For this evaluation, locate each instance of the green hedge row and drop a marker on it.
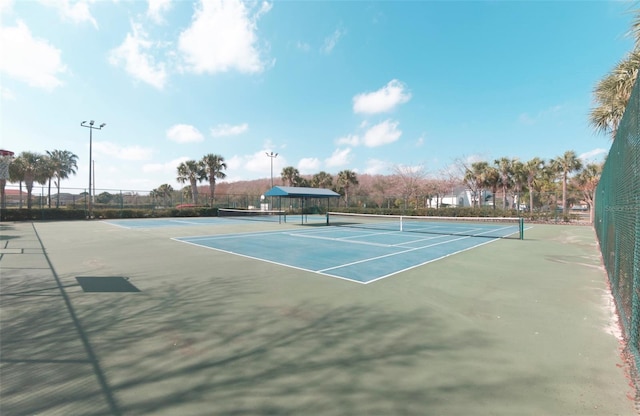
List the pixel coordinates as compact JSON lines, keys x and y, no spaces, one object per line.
{"x":47,"y":214}
{"x":113,"y":213}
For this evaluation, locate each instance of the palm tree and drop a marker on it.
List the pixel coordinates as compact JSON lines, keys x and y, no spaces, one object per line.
{"x":32,"y":164}
{"x":16,"y":174}
{"x":47,"y":171}
{"x":531,"y":169}
{"x":154,"y":194}
{"x":290,"y":175}
{"x":186,"y":192}
{"x":547,"y":185}
{"x":587,"y":181}
{"x":491,"y":179}
{"x":65,"y":163}
{"x":165,"y":191}
{"x":6,"y":162}
{"x":322,"y":180}
{"x":519,"y":178}
{"x":565,"y":165}
{"x":504,"y":166}
{"x":302,"y":182}
{"x":475,"y":179}
{"x":192,"y":172}
{"x":346,"y":178}
{"x":612,"y":94}
{"x":213,"y":167}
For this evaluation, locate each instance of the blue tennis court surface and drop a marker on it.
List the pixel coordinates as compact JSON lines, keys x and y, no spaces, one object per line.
{"x":358,"y":255}
{"x":163,"y":222}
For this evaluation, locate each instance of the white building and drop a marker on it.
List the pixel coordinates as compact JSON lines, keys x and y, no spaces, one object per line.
{"x":463,"y":197}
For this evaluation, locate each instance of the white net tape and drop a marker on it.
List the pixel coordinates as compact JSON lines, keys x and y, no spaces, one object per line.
{"x":4,"y":166}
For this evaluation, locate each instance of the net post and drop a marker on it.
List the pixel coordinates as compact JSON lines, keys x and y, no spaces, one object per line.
{"x":327,"y":218}
{"x":401,"y":224}
{"x":521,"y":227}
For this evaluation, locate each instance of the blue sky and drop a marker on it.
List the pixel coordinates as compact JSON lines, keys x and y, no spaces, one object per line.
{"x":366,"y":86}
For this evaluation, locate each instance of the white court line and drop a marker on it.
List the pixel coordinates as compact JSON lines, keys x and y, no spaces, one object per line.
{"x":187,"y":222}
{"x":393,"y":254}
{"x":323,"y":271}
{"x":118,"y":225}
{"x":270,"y":261}
{"x":366,"y":243}
{"x":429,"y":261}
{"x":226,"y":236}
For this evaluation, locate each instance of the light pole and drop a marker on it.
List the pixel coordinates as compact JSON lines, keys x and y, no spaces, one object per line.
{"x":91,"y":129}
{"x":272,"y":156}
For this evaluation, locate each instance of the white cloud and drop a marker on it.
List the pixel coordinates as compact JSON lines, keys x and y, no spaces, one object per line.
{"x":593,"y":154}
{"x":6,"y":6}
{"x":222,"y":130}
{"x":184,"y":133}
{"x":134,"y":152}
{"x":382,"y":133}
{"x":348,"y":140}
{"x":168,"y":167}
{"x":136,"y":61}
{"x":6,"y":94}
{"x":308,"y":165}
{"x":528,"y":119}
{"x":239,"y":166}
{"x":383,"y":100}
{"x":76,"y":11}
{"x":30,"y":59}
{"x":222,"y":37}
{"x":340,"y":157}
{"x":420,"y":141}
{"x":376,"y":166}
{"x":157,"y":8}
{"x":303,"y":46}
{"x":331,"y":41}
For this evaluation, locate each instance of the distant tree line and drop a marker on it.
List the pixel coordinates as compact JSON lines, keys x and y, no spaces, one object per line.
{"x":210,"y":168}
{"x":536,"y":176}
{"x":32,"y":167}
{"x":406,"y":186}
{"x":344,"y":181}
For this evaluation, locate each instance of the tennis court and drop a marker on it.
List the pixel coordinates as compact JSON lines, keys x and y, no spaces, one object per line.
{"x":99,"y":319}
{"x":360,"y":248}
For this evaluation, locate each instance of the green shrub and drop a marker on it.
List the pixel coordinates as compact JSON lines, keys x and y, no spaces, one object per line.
{"x":45,"y":214}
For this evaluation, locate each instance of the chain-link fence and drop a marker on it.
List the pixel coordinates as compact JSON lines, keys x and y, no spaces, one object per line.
{"x":617,"y":224}
{"x":542,"y":206}
{"x":74,"y":198}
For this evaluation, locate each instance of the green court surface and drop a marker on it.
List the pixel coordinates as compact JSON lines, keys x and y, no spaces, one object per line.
{"x":104,"y":320}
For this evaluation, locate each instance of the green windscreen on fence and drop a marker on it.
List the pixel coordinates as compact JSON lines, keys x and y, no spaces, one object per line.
{"x":617,"y":224}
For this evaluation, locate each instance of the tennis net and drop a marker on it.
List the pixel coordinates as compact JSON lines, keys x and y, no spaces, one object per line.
{"x":490,"y":227}
{"x":253,"y":214}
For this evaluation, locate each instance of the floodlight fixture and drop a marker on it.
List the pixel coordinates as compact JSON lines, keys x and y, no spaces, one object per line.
{"x":91,"y":128}
{"x":271,"y":156}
